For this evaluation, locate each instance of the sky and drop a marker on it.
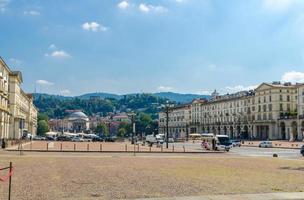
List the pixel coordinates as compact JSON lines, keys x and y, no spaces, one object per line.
{"x":74,"y":47}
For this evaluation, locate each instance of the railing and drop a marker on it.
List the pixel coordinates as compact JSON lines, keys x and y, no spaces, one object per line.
{"x":288,"y":117}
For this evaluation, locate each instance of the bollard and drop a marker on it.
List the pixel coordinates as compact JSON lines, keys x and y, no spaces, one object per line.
{"x":60,"y":146}
{"x":100,"y":147}
{"x":74,"y":147}
{"x":150,"y":148}
{"x":172,"y":148}
{"x":134,"y":150}
{"x":10,"y":181}
{"x":88,"y":147}
{"x":47,"y":146}
{"x":184,"y":149}
{"x":161,"y":148}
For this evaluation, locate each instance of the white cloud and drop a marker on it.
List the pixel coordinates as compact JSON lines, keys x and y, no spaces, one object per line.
{"x":151,"y":8}
{"x":31,"y":12}
{"x":3,"y":5}
{"x":58,"y":54}
{"x":123,"y":5}
{"x":238,"y":88}
{"x":65,"y":92}
{"x":279,"y":5}
{"x":165,"y":89}
{"x":52,"y":46}
{"x":293,"y":76}
{"x":93,"y":26}
{"x":44,"y":82}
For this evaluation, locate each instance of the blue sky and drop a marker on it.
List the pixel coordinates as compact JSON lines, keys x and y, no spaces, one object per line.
{"x":73,"y":47}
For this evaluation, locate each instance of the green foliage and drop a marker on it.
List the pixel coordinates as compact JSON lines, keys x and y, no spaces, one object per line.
{"x":122,"y":132}
{"x":102,"y":129}
{"x":127,"y":127}
{"x":43,"y":116}
{"x":54,"y":106}
{"x":43,"y":127}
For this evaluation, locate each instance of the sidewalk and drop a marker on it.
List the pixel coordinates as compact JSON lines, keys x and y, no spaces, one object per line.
{"x":276,"y":144}
{"x":268,"y":196}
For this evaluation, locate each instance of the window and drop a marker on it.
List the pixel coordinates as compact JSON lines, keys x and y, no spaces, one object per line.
{"x":288,"y":98}
{"x":281,"y":107}
{"x":270,"y":98}
{"x":281,"y":97}
{"x":270,"y":107}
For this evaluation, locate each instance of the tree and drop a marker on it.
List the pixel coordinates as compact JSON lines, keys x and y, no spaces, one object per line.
{"x":43,"y":116}
{"x":43,"y":127}
{"x":102,"y":129}
{"x":122,"y":132}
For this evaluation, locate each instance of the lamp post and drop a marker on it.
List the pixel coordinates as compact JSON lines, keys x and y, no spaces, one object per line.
{"x":132,"y":115}
{"x":167,"y":111}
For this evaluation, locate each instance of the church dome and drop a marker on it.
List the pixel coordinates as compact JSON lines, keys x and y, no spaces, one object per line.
{"x":78,"y":116}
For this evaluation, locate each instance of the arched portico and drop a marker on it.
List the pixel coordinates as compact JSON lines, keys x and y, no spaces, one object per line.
{"x":231,"y":132}
{"x":294,"y":131}
{"x":225,"y":130}
{"x":283,"y":130}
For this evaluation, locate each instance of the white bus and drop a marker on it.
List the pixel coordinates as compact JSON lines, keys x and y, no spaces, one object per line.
{"x":220,"y":142}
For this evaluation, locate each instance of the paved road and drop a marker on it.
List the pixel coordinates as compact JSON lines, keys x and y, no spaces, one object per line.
{"x":251,"y":151}
{"x":267,"y":196}
{"x":266,"y":152}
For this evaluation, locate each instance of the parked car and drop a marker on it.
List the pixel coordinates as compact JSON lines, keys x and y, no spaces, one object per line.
{"x":110,"y":139}
{"x":37,"y":137}
{"x":265,"y":144}
{"x":63,"y":138}
{"x":97,"y":139}
{"x":77,"y":139}
{"x":51,"y":138}
{"x":302,"y":150}
{"x":236,"y":143}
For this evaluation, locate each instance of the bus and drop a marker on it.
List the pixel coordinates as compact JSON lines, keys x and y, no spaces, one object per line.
{"x":220,"y":142}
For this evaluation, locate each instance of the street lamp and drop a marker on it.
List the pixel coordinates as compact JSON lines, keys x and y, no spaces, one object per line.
{"x":167,"y":111}
{"x":132,"y":115}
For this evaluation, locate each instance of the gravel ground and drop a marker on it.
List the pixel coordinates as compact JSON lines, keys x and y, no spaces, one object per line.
{"x":128,"y":177}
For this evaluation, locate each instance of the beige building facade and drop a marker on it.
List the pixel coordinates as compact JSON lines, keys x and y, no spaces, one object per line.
{"x":179,"y":121}
{"x":4,"y":107}
{"x":272,"y":111}
{"x":18,"y":115}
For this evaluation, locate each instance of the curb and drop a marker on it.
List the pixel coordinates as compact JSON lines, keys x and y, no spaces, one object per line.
{"x":72,"y":151}
{"x":272,"y":147}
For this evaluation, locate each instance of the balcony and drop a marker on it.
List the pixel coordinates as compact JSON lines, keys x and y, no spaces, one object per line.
{"x":289,"y":115}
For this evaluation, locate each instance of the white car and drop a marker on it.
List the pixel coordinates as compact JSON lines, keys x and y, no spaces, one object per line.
{"x":265,"y":144}
{"x":77,"y":139}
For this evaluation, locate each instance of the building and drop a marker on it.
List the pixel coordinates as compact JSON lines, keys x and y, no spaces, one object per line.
{"x":301,"y":108}
{"x":4,"y":107}
{"x":23,"y":112}
{"x":18,"y":115}
{"x":272,"y":111}
{"x":179,"y":119}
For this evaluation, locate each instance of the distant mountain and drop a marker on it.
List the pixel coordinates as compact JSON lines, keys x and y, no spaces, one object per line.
{"x":101,"y":95}
{"x":181,"y":98}
{"x":177,"y":97}
{"x":43,"y":95}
